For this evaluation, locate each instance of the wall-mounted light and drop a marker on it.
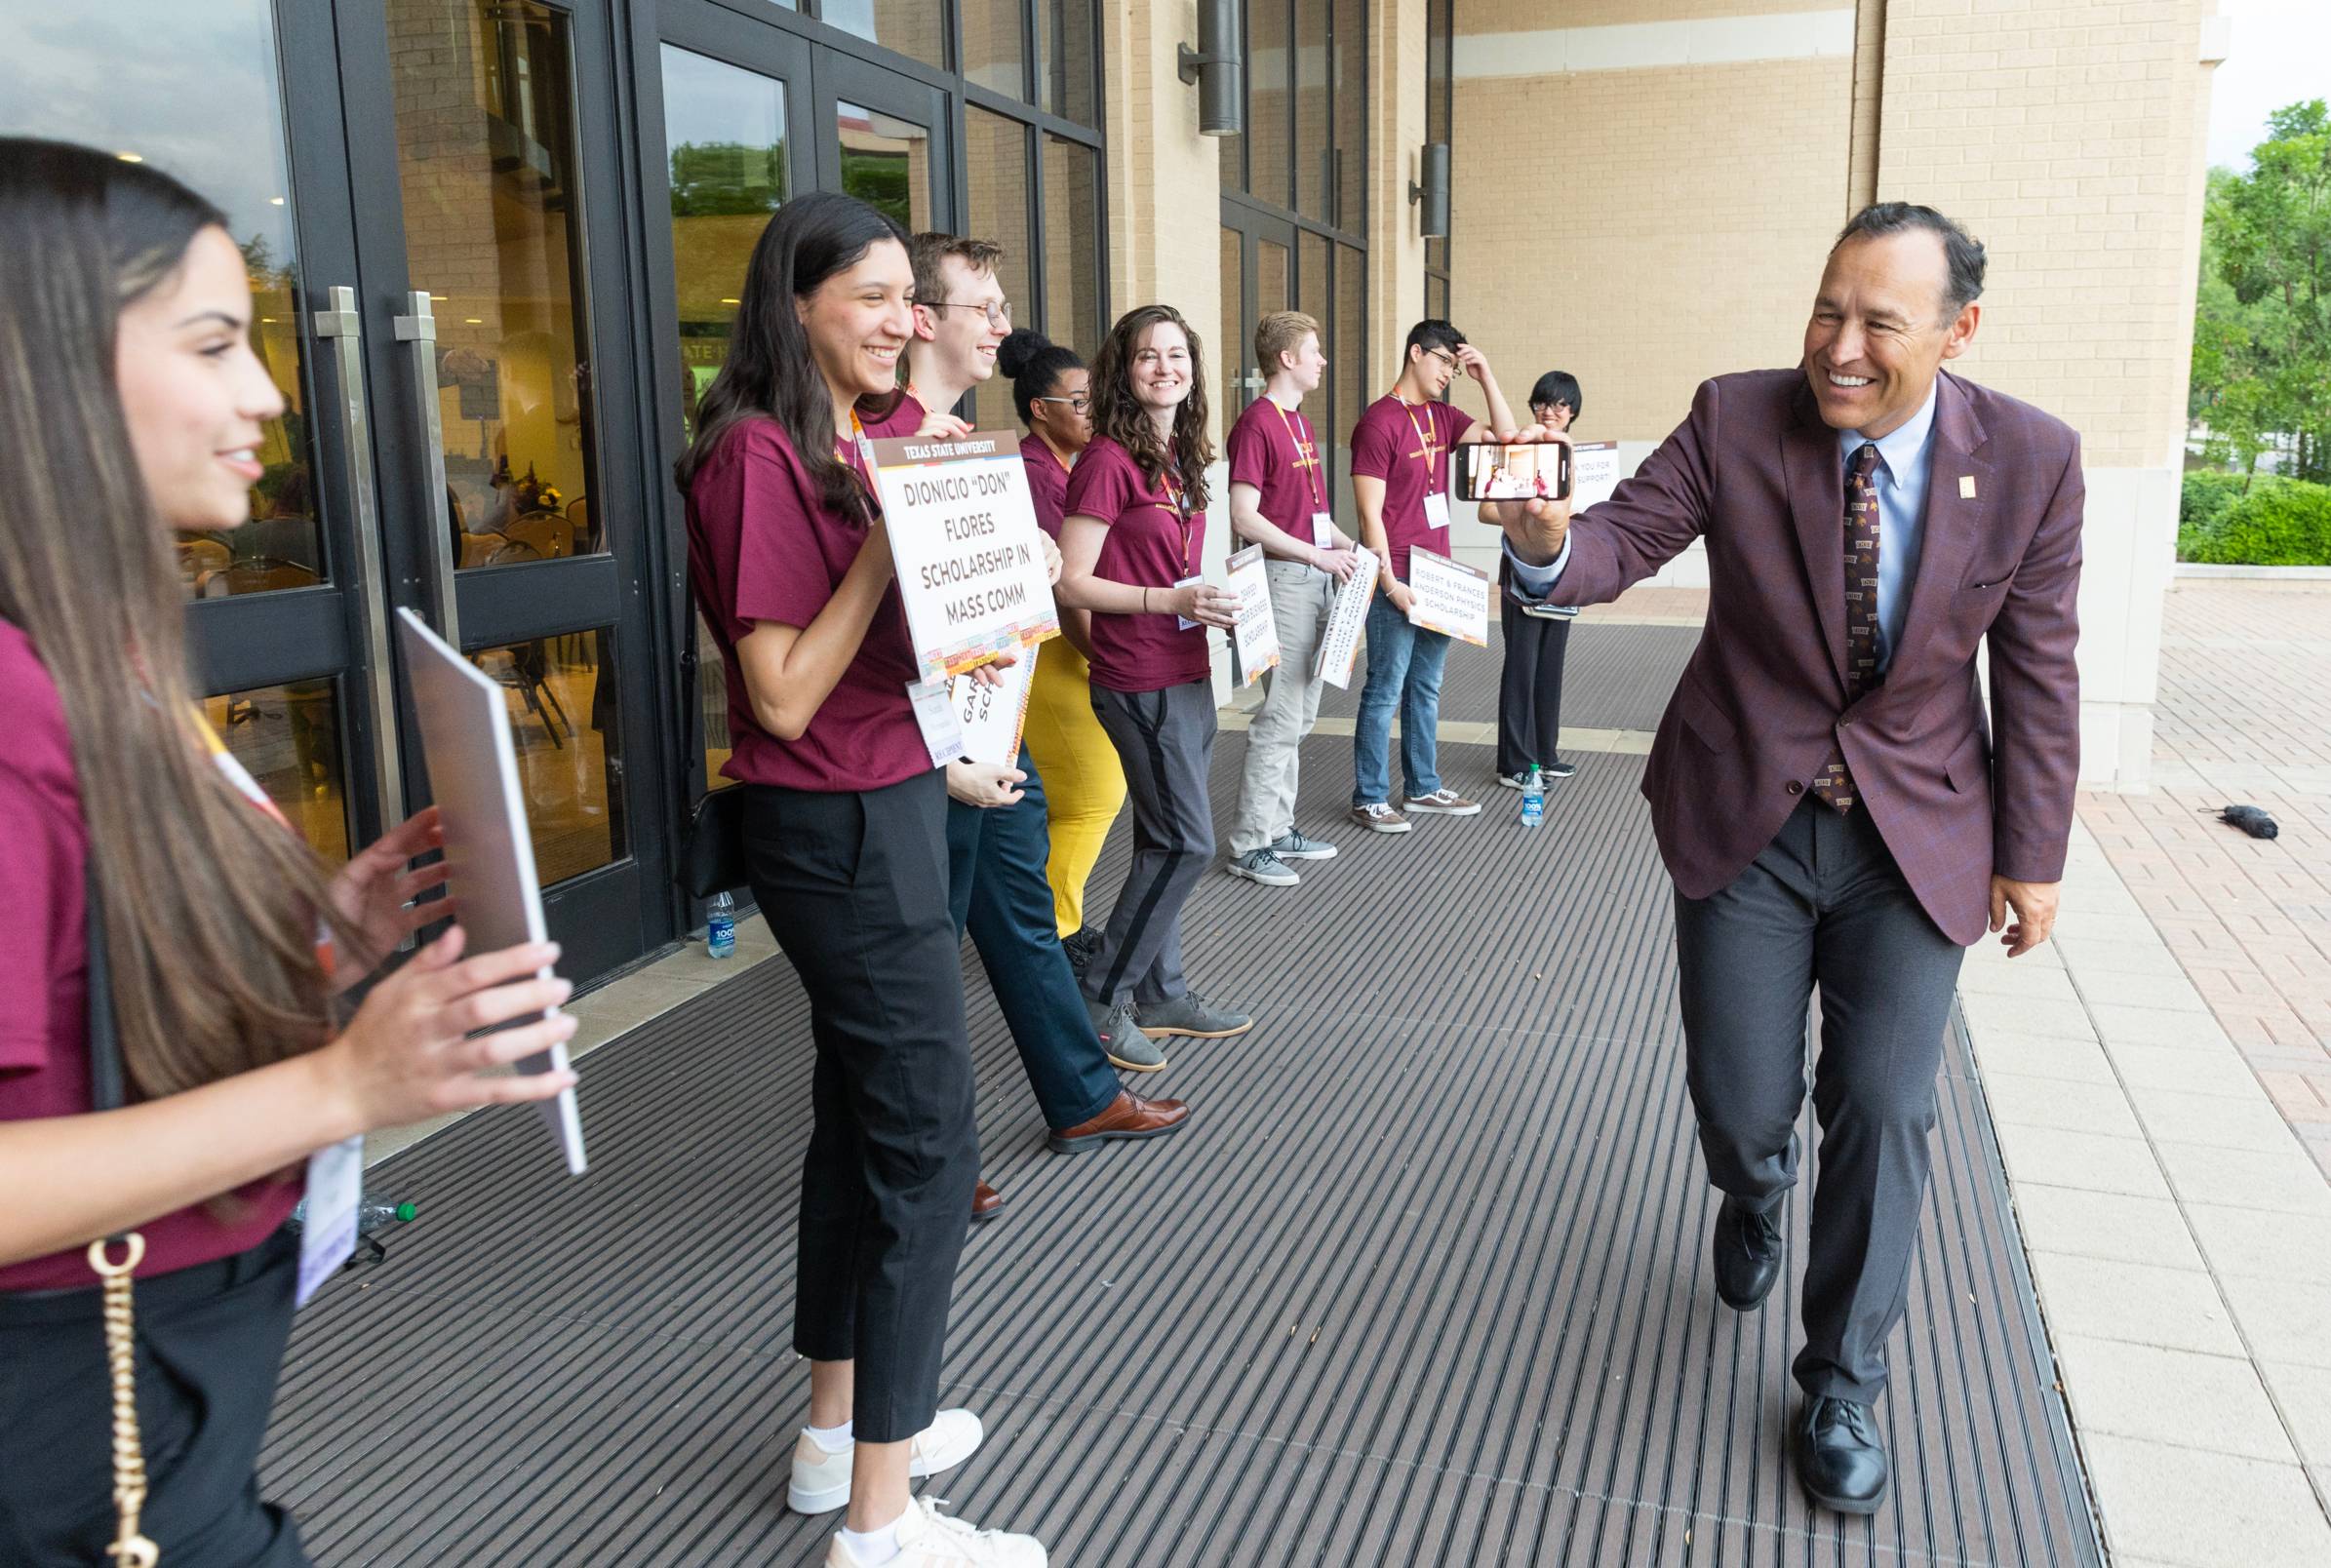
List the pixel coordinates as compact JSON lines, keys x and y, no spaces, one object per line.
{"x":1431,"y":198}
{"x":1218,"y":68}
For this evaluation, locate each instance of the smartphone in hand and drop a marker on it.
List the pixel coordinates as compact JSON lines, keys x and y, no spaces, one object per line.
{"x":1491,"y":471}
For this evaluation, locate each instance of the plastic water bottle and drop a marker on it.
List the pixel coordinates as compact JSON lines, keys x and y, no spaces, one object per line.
{"x":371,"y":1216}
{"x":1533,"y":797}
{"x":720,"y":927}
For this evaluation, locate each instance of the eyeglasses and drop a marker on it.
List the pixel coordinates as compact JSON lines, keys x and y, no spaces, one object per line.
{"x":998,"y":314}
{"x":1442,"y":354}
{"x":1078,"y":401}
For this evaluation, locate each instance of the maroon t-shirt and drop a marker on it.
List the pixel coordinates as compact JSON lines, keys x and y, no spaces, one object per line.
{"x":763,"y":547}
{"x":1277,"y":453}
{"x":905,"y":420}
{"x":1390,"y":442}
{"x":1148,"y":545}
{"x":1047,"y":484}
{"x":44,"y":975}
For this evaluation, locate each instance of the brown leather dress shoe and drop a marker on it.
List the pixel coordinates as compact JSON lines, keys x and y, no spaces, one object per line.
{"x":986,"y":1201}
{"x":1127,"y":1116}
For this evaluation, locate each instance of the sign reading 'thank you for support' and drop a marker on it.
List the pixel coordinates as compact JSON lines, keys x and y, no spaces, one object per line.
{"x":969,"y":556}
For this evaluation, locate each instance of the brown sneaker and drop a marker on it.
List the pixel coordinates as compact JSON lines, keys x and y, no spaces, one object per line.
{"x":1378,"y":817}
{"x":1444,"y":802}
{"x":986,"y":1201}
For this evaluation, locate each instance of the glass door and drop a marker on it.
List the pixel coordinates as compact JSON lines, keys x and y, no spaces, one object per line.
{"x":493,"y":315}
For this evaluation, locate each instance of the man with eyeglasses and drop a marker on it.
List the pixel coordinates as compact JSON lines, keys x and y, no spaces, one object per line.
{"x":1400,"y":482}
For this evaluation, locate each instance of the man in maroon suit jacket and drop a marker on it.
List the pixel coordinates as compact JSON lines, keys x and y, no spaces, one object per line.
{"x":1832,"y":799}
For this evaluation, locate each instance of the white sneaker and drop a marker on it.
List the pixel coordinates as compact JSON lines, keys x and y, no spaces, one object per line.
{"x":929,"y":1539}
{"x":820,"y":1481}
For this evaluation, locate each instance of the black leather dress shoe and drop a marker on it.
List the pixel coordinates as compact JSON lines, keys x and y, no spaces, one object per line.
{"x":1748,"y":1255}
{"x":1839,"y":1461}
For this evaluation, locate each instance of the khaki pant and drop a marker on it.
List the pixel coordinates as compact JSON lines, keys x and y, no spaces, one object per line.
{"x":1301,"y":597}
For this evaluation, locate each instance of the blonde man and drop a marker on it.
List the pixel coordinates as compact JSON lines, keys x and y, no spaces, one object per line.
{"x":1280,"y":499}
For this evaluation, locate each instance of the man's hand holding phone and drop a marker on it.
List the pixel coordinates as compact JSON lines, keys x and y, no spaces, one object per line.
{"x":1537,"y":528}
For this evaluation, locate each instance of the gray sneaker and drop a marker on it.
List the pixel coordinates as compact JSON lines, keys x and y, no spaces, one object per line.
{"x":1189,"y":1014}
{"x":1292,"y":845}
{"x":1262,"y":866}
{"x":1122,"y":1037}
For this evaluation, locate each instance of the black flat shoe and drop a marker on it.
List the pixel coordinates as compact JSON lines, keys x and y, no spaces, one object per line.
{"x":1748,"y":1255}
{"x":1839,"y":1461}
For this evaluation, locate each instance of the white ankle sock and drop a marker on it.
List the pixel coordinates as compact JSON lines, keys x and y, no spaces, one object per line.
{"x":874,"y":1546}
{"x":833,"y":1439}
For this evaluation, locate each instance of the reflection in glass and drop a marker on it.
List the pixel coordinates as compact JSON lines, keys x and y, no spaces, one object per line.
{"x":725,"y":129}
{"x":885,"y":163}
{"x":565,"y":719}
{"x":1064,"y":61}
{"x":996,"y":207}
{"x":1348,"y":357}
{"x":1072,"y":188}
{"x":1311,"y":109}
{"x":489,"y":171}
{"x":1313,"y":291}
{"x":116,"y":76}
{"x":1271,"y":281}
{"x":1349,"y":71}
{"x":712,"y":705}
{"x":994,"y":48}
{"x":914,"y":27}
{"x":1270,"y":153}
{"x":1237,"y":342}
{"x":288,"y":738}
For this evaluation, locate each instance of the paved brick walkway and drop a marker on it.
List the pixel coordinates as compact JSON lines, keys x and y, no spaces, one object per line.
{"x":2244,"y":716}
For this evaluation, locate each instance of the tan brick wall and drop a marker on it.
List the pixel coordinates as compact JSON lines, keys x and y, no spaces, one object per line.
{"x":2063,"y":132}
{"x":1868,"y":78}
{"x":1682,"y":239}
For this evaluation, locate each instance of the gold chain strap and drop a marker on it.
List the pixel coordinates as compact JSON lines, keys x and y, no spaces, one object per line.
{"x":130,"y":1549}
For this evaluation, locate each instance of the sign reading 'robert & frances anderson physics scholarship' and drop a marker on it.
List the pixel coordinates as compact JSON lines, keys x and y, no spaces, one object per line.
{"x":969,"y":556}
{"x":1452,"y":598}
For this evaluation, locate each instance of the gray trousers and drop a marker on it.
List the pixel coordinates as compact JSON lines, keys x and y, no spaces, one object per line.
{"x":1301,"y":596}
{"x":1166,"y":740}
{"x":1823,"y":905}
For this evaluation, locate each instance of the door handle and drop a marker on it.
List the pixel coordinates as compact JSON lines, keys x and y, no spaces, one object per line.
{"x":339,"y":326}
{"x":416,"y":328}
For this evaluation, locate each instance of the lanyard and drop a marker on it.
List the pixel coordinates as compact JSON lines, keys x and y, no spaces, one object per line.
{"x":1428,"y":446}
{"x":865,"y":475}
{"x":1181,"y":510}
{"x":1305,"y":447}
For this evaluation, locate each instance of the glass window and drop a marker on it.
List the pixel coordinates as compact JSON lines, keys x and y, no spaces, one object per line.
{"x":1348,"y":70}
{"x":1348,"y":353}
{"x":885,"y":163}
{"x":914,"y":27}
{"x":724,"y":135}
{"x":995,"y":48}
{"x":489,"y":172}
{"x":1073,"y":311}
{"x":1309,"y":66}
{"x":1270,"y":152}
{"x":287,"y":739}
{"x":565,"y":722}
{"x":1232,"y":347}
{"x":996,"y":207}
{"x":1064,"y":60}
{"x":1273,"y":265}
{"x":126,"y":88}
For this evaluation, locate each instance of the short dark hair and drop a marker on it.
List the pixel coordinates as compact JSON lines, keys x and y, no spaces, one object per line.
{"x":925,"y":251}
{"x":1433,"y":332}
{"x":1558,"y":386}
{"x":1962,"y":250}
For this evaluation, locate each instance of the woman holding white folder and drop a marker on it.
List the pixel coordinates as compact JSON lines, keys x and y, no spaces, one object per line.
{"x":141,"y":857}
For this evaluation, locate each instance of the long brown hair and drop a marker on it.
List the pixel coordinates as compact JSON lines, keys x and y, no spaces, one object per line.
{"x":211,"y":909}
{"x":1118,"y":415}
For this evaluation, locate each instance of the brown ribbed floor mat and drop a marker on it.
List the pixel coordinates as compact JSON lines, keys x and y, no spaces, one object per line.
{"x":1613,"y":677}
{"x":1423,"y":1283}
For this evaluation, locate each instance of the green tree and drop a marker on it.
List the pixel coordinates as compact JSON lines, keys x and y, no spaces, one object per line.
{"x":2261,"y":327}
{"x":722,"y":179}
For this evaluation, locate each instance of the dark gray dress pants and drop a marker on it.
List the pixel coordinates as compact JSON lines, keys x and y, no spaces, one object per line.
{"x":1824,"y":905}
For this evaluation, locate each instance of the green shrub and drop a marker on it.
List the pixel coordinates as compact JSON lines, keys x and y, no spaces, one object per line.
{"x":2280,"y":523}
{"x":2208,"y":492}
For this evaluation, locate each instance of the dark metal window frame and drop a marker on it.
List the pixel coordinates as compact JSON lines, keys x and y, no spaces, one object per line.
{"x":1352,"y":229}
{"x":1441,"y":46}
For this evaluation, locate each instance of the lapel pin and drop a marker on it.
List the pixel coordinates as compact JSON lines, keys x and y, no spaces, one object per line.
{"x":1966,"y":487}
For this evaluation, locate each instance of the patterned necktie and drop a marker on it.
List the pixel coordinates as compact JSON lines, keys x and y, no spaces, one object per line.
{"x":1835,"y":782}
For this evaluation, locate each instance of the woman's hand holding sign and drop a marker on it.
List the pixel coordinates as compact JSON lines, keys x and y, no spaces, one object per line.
{"x":1199,"y":601}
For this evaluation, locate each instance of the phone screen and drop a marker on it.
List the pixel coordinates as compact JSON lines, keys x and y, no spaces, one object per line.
{"x":1493,"y":472}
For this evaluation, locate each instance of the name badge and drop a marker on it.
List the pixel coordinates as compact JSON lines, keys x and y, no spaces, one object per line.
{"x":327,"y":1234}
{"x":1437,"y":508}
{"x":1183,"y":622}
{"x":936,"y":718}
{"x":1323,"y":530}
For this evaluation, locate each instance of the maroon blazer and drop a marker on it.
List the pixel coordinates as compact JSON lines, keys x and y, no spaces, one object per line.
{"x":1756,"y":474}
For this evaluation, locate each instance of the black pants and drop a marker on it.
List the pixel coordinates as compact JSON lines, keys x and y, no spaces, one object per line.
{"x":210,"y":1344}
{"x":1825,"y":904}
{"x":1529,"y":689}
{"x":854,"y":887}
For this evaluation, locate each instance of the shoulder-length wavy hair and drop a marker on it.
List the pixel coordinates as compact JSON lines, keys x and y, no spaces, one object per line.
{"x":1118,"y":415}
{"x":770,"y":372}
{"x":212,"y":910}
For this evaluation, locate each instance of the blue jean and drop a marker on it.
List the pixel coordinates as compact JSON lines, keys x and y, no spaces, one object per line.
{"x":997,"y":888}
{"x":1403,"y":671}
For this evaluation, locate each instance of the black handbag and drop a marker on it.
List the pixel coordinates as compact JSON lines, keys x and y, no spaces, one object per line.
{"x":711,"y":858}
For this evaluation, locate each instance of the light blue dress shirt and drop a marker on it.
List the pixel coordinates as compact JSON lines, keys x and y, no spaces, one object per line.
{"x":1905,"y":463}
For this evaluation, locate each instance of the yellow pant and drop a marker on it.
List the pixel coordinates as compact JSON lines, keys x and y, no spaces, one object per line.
{"x":1084,"y":784}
